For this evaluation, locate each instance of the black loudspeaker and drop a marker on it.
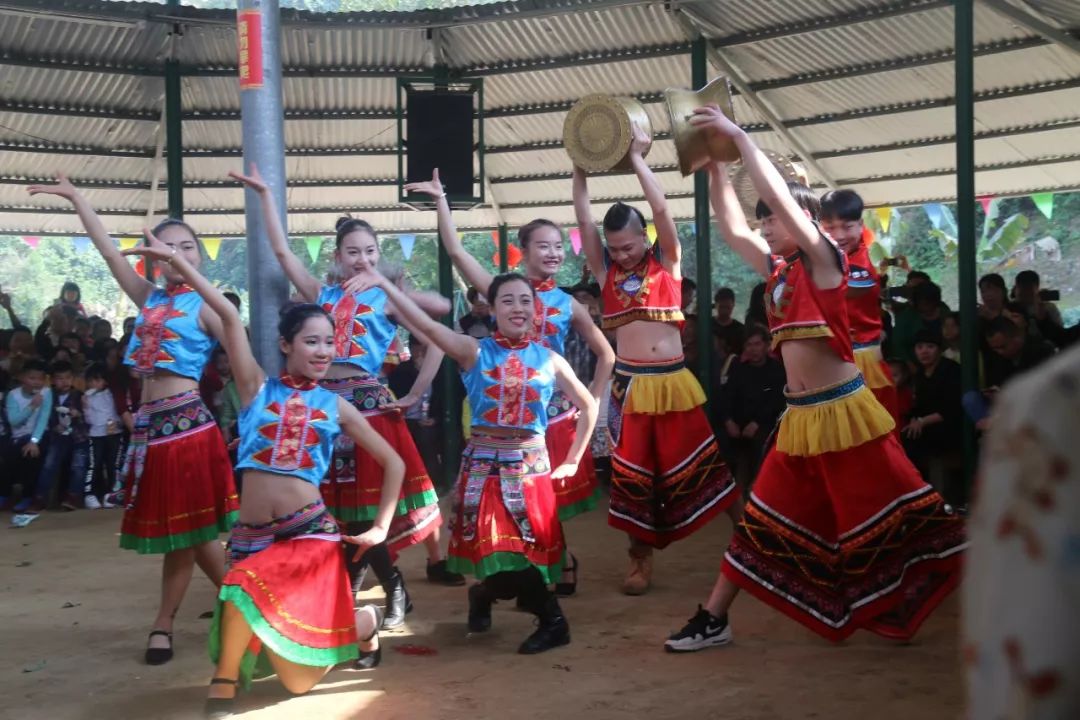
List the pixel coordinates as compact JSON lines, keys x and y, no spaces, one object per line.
{"x":439,"y":128}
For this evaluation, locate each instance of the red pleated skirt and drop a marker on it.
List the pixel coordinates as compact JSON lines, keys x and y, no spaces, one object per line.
{"x":580,"y":492}
{"x":179,"y":484}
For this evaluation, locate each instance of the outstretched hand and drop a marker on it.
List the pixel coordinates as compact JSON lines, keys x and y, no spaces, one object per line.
{"x":565,"y":470}
{"x":713,"y":119}
{"x":253,"y":180}
{"x":404,"y":402}
{"x":363,"y":280}
{"x":432,"y":187}
{"x":62,"y":188}
{"x":154,"y":249}
{"x":365,"y":540}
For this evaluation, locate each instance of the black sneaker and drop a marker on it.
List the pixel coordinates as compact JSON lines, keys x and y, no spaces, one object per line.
{"x":702,"y":631}
{"x":438,"y":574}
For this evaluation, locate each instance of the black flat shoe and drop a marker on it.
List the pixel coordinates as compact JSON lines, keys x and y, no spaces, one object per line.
{"x":220,"y":708}
{"x":159,"y":656}
{"x":566,"y":589}
{"x":438,"y":574}
{"x":551,"y":633}
{"x":371,"y":660}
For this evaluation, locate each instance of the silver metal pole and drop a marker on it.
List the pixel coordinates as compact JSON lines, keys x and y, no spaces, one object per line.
{"x":262,"y":121}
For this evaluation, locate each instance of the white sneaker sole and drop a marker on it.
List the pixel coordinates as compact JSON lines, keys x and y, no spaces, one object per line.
{"x":688,"y":646}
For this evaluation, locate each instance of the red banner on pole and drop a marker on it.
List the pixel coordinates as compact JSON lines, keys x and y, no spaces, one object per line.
{"x":249,"y":42}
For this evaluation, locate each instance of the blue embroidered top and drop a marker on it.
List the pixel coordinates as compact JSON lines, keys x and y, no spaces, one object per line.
{"x":362,"y":329}
{"x":167,"y":335}
{"x":289,"y":428}
{"x":551,"y":322}
{"x":511,"y":384}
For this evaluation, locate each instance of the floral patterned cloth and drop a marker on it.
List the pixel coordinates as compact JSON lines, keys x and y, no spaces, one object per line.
{"x":1022,"y":592}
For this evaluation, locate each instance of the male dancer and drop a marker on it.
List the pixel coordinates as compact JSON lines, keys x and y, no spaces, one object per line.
{"x":668,"y":478}
{"x":841,"y":219}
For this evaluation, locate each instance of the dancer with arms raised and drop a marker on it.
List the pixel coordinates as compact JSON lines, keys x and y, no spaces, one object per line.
{"x":555,"y":313}
{"x":364,"y":330}
{"x":839,"y":532}
{"x":179,"y":491}
{"x":668,"y":478}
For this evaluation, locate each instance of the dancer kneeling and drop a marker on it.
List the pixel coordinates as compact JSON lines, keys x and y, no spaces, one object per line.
{"x":840,"y":531}
{"x":506,"y":527}
{"x":285,"y":606}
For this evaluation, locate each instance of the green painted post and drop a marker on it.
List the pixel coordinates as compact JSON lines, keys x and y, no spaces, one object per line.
{"x":965,"y":211}
{"x":698,"y":78}
{"x":451,"y":419}
{"x":174,"y":143}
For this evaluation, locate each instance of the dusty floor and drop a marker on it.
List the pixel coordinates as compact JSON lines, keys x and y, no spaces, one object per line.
{"x":62,"y":662}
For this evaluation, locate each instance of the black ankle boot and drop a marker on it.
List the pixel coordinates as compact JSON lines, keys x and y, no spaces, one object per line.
{"x":553,"y":630}
{"x":398,"y":603}
{"x":480,"y":602}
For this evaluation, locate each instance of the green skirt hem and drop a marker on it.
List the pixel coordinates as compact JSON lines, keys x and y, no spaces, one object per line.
{"x":179,"y":541}
{"x":502,"y":562}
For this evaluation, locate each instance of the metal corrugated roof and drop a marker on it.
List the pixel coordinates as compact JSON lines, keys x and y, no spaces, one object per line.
{"x":864,"y":85}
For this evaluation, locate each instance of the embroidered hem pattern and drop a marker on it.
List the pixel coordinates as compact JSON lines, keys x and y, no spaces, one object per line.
{"x":668,"y":478}
{"x":504,"y":515}
{"x":847,"y":540}
{"x":578,"y":493}
{"x":288,"y":581}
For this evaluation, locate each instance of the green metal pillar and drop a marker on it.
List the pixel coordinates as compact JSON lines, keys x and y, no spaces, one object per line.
{"x":448,"y":380}
{"x":702,"y":234}
{"x":174,"y":144}
{"x":504,"y":241}
{"x":965,"y":211}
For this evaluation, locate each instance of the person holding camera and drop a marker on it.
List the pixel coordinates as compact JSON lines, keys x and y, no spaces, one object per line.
{"x":1039,"y":306}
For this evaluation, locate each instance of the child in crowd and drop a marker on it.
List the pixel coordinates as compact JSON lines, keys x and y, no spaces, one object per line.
{"x":27,"y":408}
{"x":106,"y":432}
{"x":68,"y":447}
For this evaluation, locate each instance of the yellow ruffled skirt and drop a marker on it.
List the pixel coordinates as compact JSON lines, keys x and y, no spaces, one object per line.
{"x":831,"y":419}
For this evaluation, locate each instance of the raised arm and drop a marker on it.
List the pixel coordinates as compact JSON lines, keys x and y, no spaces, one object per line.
{"x":134,"y":285}
{"x":591,"y":243}
{"x":5,"y":302}
{"x":666,"y":234}
{"x":731,"y":220}
{"x":368,"y":439}
{"x":246,"y":371}
{"x":772,"y":188}
{"x":583,"y":323}
{"x":470,"y":268}
{"x":306,"y":283}
{"x":579,"y":395}
{"x":460,"y":348}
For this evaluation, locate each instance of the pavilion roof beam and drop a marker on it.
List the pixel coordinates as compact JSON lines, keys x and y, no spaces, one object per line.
{"x":1029,"y":21}
{"x":694,"y":28}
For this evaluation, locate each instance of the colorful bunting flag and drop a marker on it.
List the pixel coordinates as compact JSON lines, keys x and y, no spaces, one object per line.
{"x":884,"y":216}
{"x":407,"y":242}
{"x":650,"y":232}
{"x":314,"y":246}
{"x":575,"y":240}
{"x":985,"y":201}
{"x":82,"y":243}
{"x":1045,"y":203}
{"x":31,"y":240}
{"x":936,"y":213}
{"x":212,"y":245}
{"x":127,"y":243}
{"x":513,"y":256}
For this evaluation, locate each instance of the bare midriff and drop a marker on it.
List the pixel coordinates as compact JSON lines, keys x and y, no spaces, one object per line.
{"x":340,"y":371}
{"x":649,"y":341}
{"x":269,"y":495}
{"x":502,"y":432}
{"x":811,"y":364}
{"x":163,"y":384}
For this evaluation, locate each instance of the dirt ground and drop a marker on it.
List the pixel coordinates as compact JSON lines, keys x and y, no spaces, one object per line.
{"x":75,"y":609}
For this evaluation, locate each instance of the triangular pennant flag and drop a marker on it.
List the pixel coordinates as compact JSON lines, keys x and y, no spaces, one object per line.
{"x":495,"y":238}
{"x":140,"y":268}
{"x":985,"y":201}
{"x":513,"y":256}
{"x":82,"y":243}
{"x":212,"y":245}
{"x":650,"y":232}
{"x":31,"y":240}
{"x":407,"y":242}
{"x":575,"y":240}
{"x":934,"y":212}
{"x":884,"y":216}
{"x":314,"y":246}
{"x":127,"y":243}
{"x":1045,"y":203}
